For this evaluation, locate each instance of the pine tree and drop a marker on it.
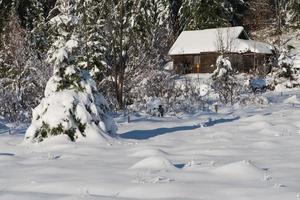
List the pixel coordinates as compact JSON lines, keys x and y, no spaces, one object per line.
{"x":174,"y":20}
{"x":288,"y":13}
{"x":92,"y":37}
{"x":202,"y":14}
{"x":5,"y":8}
{"x":234,"y":11}
{"x":294,"y":6}
{"x":83,"y":113}
{"x":258,"y":15}
{"x":19,"y":67}
{"x":154,"y":27}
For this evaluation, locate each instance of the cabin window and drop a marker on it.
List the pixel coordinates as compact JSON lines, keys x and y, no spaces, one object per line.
{"x":197,"y":64}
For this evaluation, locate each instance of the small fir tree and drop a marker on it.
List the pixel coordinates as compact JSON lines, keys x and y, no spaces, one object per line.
{"x":72,"y":106}
{"x":224,"y":82}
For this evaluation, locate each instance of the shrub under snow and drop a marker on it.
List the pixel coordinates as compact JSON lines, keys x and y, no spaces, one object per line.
{"x":224,"y":82}
{"x":286,"y":74}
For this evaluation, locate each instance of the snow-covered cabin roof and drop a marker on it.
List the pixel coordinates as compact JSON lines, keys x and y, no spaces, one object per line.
{"x":232,"y":39}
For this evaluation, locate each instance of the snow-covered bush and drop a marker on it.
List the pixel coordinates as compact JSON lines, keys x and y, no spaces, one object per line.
{"x":191,"y":96}
{"x":285,"y":74}
{"x":177,"y":94}
{"x":258,"y":84}
{"x":157,"y":86}
{"x":285,"y":62}
{"x":224,"y":81}
{"x":252,"y":98}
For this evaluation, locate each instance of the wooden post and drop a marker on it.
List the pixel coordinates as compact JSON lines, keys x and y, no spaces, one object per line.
{"x":216,"y":108}
{"x":199,"y":63}
{"x":254,"y":62}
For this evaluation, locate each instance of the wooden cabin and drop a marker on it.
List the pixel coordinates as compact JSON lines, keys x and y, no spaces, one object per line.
{"x":197,"y":51}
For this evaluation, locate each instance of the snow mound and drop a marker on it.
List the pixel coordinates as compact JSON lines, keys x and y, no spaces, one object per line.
{"x":221,"y":134}
{"x":259,"y":125}
{"x":203,"y":90}
{"x":154,"y":163}
{"x":269,"y":132}
{"x":280,"y":88}
{"x":264,"y":145}
{"x":152,"y":179}
{"x":148,"y":153}
{"x":240,"y":170}
{"x":292,"y":100}
{"x":3,"y":128}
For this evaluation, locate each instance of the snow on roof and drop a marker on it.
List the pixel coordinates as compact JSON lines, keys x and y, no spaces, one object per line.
{"x":211,"y":40}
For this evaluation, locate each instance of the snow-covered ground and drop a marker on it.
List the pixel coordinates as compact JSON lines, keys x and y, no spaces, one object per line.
{"x":247,"y":152}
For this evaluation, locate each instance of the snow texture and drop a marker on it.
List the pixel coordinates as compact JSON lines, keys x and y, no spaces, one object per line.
{"x":248,"y":152}
{"x":154,"y":163}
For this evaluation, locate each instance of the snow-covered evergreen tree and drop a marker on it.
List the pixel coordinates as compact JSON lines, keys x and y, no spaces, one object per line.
{"x":234,"y":11}
{"x":154,"y":16}
{"x":72,"y":106}
{"x":285,"y":74}
{"x":91,"y":32}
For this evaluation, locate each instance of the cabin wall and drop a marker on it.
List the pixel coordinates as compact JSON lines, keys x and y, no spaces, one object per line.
{"x":205,"y":62}
{"x":208,"y":62}
{"x":183,"y":64}
{"x":256,"y":62}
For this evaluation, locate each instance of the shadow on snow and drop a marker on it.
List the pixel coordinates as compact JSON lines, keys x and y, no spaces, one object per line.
{"x":7,"y":154}
{"x":146,"y":134}
{"x":219,"y":121}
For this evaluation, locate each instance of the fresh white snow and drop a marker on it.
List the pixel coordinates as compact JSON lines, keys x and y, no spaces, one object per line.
{"x":242,"y":152}
{"x":211,"y":40}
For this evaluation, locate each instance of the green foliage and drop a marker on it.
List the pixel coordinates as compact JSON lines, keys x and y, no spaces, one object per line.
{"x":81,"y":126}
{"x":202,"y":14}
{"x":69,"y":81}
{"x":287,"y":71}
{"x":42,"y":133}
{"x":46,"y":131}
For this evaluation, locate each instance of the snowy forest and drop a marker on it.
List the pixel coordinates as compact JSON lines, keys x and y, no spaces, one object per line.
{"x":123,"y":44}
